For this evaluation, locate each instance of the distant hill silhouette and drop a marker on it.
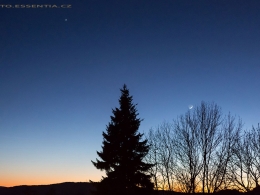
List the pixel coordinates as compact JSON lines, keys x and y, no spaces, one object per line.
{"x":84,"y":188}
{"x":68,"y":188}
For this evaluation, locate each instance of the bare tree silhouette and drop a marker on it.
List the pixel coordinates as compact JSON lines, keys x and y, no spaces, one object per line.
{"x":161,"y":155}
{"x":193,"y":154}
{"x":245,"y":165}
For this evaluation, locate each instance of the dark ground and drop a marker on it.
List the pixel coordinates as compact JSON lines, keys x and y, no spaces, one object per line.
{"x":83,"y":188}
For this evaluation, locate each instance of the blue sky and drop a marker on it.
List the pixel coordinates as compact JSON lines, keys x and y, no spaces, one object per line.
{"x":61,"y":71}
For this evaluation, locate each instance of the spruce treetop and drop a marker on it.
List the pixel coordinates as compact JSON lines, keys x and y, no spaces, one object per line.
{"x":123,"y":150}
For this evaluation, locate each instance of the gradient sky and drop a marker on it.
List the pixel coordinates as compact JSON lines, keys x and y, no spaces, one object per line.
{"x":59,"y":80}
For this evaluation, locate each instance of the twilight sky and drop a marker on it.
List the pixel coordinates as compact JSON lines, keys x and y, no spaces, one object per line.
{"x":61,"y":70}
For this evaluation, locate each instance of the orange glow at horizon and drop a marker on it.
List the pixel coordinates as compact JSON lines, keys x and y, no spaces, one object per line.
{"x":38,"y":174}
{"x":18,"y":181}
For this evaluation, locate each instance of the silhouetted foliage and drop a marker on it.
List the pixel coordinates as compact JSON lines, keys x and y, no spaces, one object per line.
{"x":228,"y":192}
{"x":256,"y":190}
{"x":123,"y":152}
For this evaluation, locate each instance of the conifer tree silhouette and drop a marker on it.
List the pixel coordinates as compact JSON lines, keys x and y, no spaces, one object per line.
{"x":123,"y":152}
